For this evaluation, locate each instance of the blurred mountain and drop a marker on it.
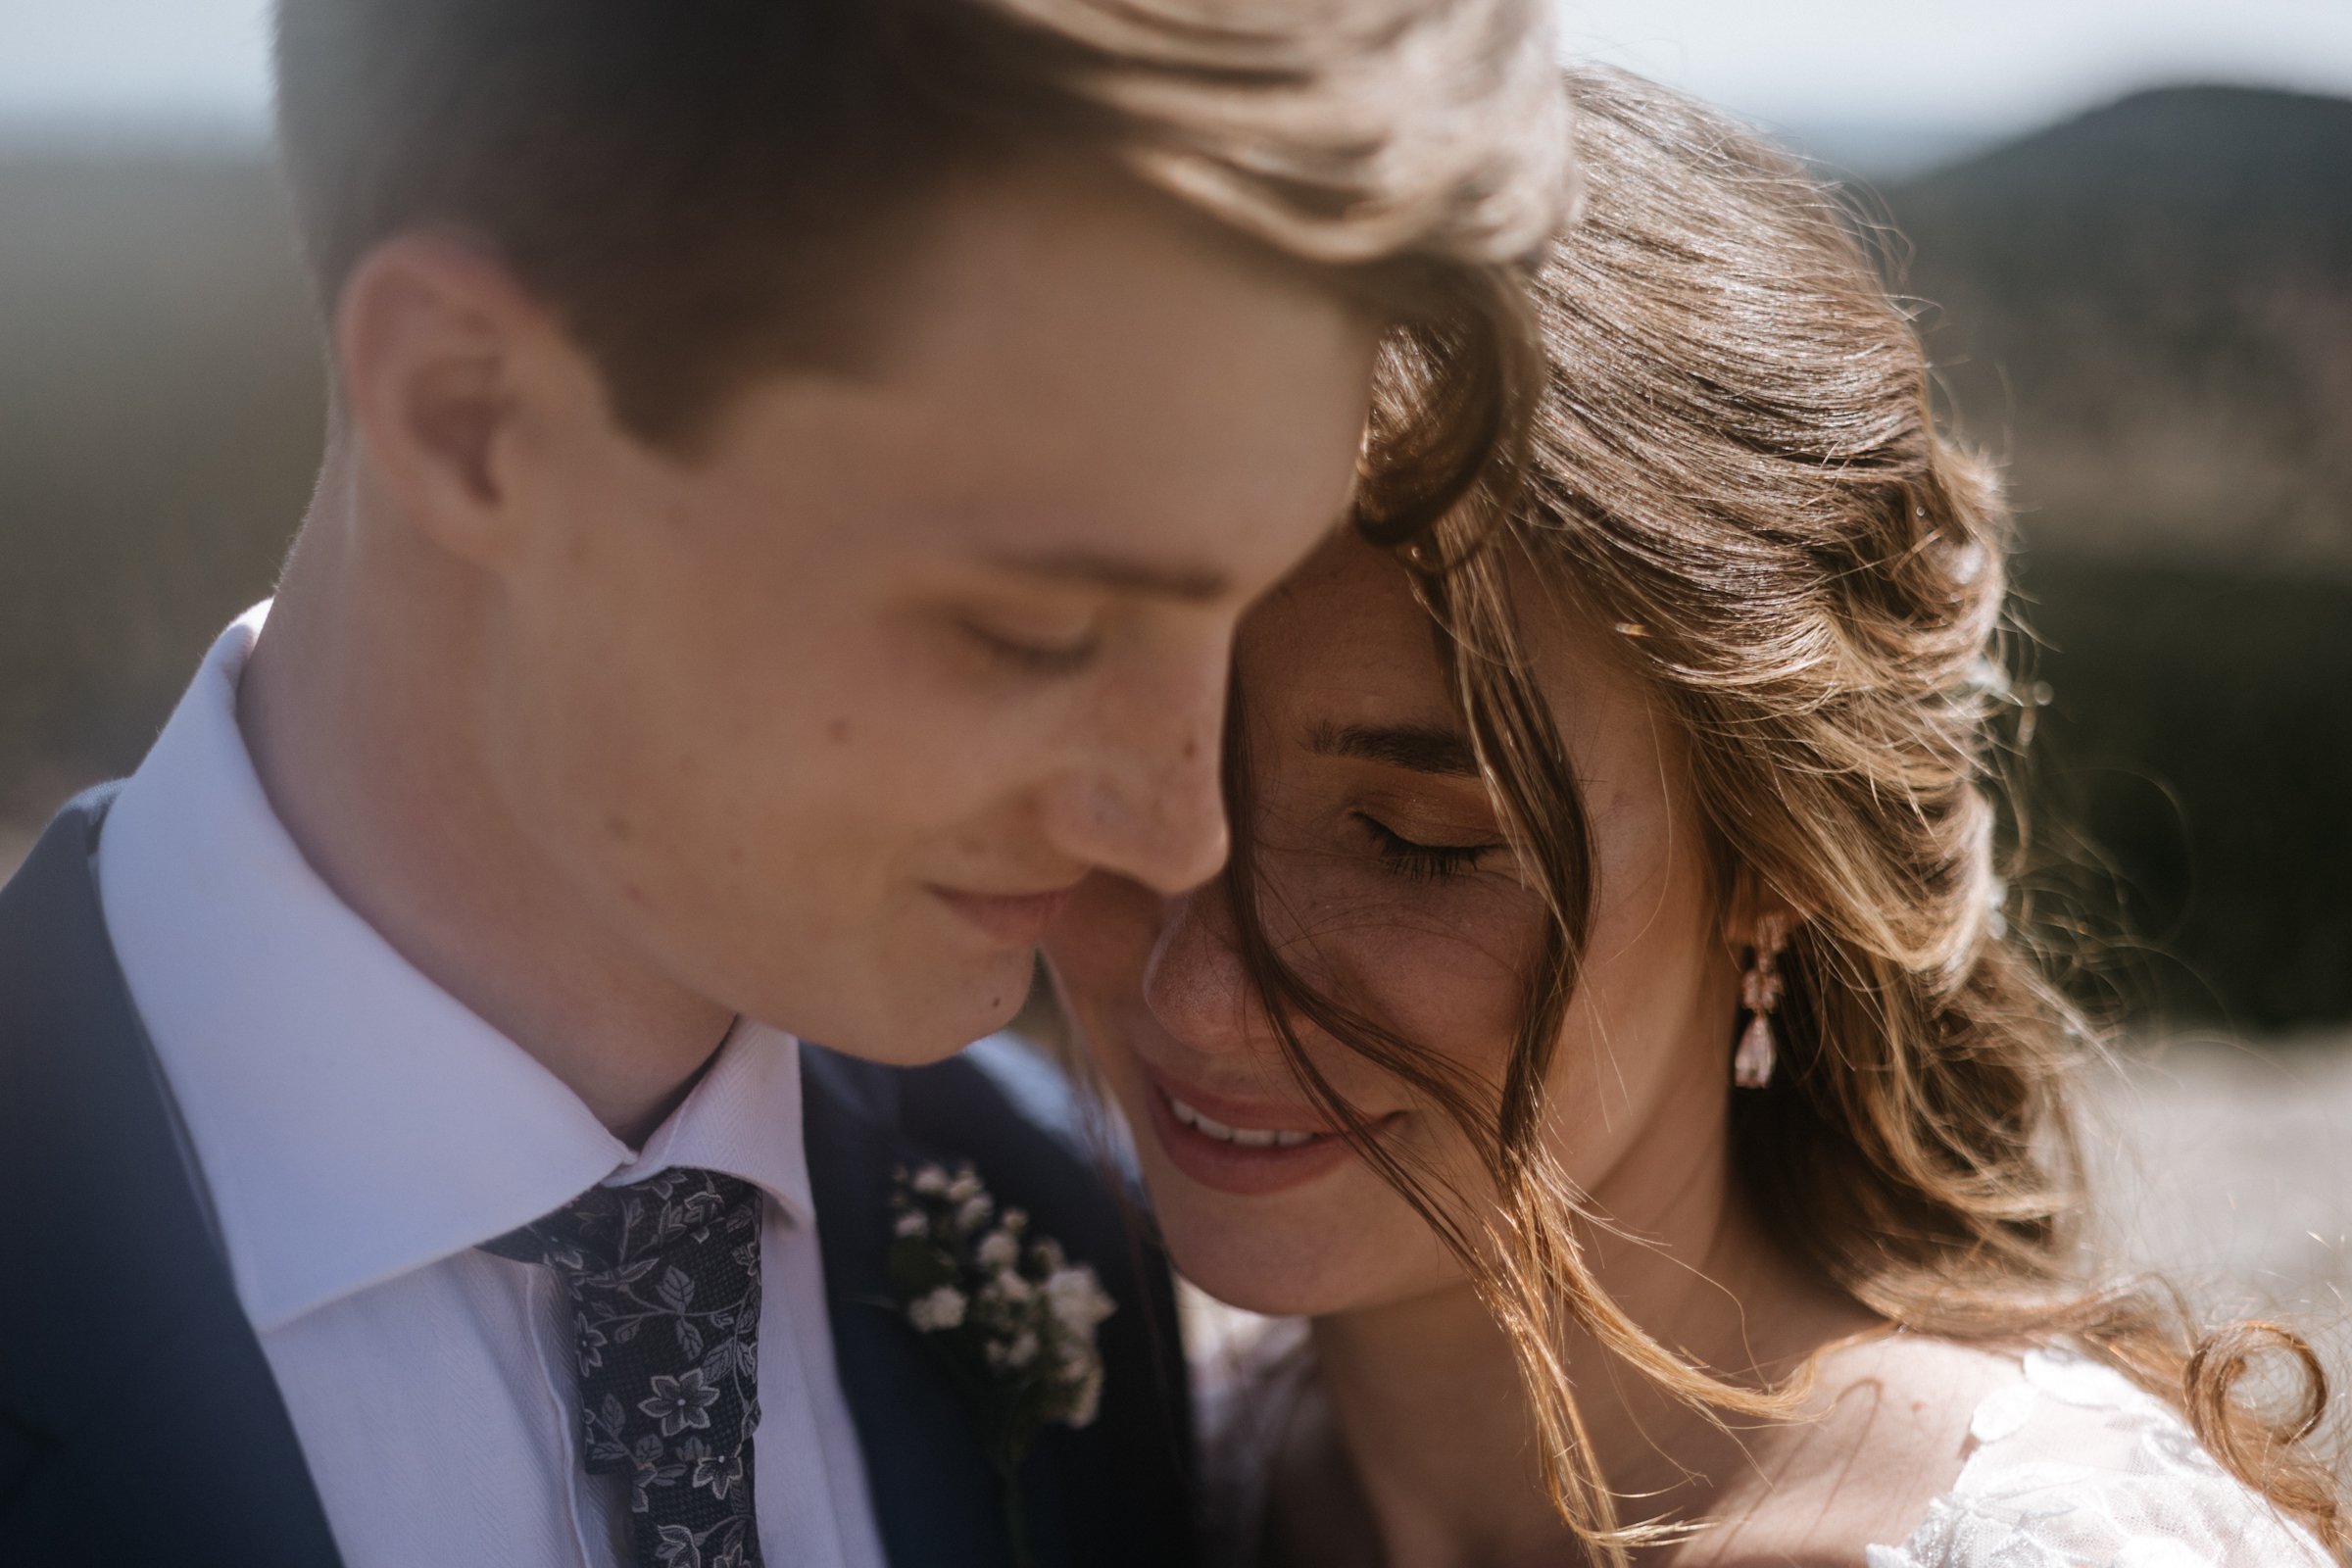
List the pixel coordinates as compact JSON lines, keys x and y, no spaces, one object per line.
{"x":2148,"y":309}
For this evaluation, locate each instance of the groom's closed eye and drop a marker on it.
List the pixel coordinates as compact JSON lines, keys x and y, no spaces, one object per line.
{"x":1036,"y":652}
{"x":1077,"y":586}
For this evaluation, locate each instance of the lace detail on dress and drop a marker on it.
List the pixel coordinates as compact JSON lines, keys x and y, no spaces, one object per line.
{"x":2074,"y":1466}
{"x":1245,"y":1394}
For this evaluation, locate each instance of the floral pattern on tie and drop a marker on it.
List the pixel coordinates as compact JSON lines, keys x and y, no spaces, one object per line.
{"x":663,"y":1278}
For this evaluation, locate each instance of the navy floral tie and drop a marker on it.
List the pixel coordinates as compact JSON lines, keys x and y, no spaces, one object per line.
{"x":665,"y":1285}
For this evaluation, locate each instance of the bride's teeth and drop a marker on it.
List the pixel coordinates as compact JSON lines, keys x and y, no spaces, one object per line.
{"x":1200,"y":1122}
{"x":1246,"y":1136}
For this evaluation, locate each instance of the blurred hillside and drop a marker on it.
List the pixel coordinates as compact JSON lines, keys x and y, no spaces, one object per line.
{"x":2146,"y":311}
{"x":159,"y":420}
{"x":2150,"y":309}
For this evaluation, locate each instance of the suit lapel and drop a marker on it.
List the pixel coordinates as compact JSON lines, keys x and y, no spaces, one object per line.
{"x":936,"y":1497}
{"x":156,"y":1430}
{"x":139,"y":1420}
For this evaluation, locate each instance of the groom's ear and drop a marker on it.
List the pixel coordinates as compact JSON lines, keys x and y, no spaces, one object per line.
{"x":448,"y":371}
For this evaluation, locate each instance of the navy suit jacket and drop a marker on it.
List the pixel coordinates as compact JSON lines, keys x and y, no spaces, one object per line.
{"x":139,"y":1422}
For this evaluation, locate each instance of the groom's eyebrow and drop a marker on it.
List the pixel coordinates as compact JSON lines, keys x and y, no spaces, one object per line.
{"x":1157,"y":579}
{"x":1421,"y":747}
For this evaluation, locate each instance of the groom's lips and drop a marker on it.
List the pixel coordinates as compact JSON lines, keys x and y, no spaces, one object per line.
{"x":1015,"y":919}
{"x":1245,"y":1171}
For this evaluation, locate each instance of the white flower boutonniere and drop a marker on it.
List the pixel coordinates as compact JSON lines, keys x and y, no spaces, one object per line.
{"x":1015,"y":1320}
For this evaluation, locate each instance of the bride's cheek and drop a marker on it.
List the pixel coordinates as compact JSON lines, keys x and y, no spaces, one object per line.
{"x":1452,"y":970}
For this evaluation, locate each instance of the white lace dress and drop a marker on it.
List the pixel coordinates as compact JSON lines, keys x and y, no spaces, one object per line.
{"x":2073,"y":1466}
{"x":2069,"y":1467}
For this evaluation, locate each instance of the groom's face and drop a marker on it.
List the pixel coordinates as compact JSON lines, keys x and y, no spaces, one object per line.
{"x":825,"y":718}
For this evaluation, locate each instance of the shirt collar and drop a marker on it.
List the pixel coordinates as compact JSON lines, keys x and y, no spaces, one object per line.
{"x":352,"y":1119}
{"x":743,"y":1118}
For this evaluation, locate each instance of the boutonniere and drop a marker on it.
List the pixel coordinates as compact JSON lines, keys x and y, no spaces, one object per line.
{"x":1011,"y":1317}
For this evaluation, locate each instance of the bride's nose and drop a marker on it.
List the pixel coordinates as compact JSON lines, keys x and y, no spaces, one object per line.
{"x":1196,"y":985}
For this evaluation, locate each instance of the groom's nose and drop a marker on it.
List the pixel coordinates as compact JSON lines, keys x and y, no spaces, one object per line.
{"x":1143,"y":800}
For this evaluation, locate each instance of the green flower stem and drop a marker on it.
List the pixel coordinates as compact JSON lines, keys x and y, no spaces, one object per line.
{"x":1016,"y":1514}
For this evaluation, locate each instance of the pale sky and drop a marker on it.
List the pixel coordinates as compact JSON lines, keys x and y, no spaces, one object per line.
{"x":1988,"y":65}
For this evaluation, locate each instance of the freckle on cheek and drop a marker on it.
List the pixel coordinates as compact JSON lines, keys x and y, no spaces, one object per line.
{"x":1191,"y":748}
{"x":635,"y":895}
{"x":838,"y":731}
{"x":618,"y":826}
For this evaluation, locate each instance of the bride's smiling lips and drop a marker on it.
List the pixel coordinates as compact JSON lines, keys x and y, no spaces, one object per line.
{"x":1014,"y":919}
{"x":1248,"y":1147}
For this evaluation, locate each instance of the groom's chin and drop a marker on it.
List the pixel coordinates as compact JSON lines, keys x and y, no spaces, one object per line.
{"x":918,"y":1016}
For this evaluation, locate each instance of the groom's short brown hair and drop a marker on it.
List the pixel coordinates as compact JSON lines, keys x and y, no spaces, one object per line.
{"x":691,"y":184}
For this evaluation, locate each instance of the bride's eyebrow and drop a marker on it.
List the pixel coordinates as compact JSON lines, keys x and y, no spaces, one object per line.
{"x":1421,"y":747}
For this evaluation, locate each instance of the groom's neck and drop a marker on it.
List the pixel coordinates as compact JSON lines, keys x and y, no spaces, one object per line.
{"x":362,"y":708}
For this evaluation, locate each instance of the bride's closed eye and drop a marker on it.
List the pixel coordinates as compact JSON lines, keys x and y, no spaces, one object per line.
{"x":1418,"y":862}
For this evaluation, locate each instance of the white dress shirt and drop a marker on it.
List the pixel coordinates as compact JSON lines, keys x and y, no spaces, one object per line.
{"x":358,"y":1132}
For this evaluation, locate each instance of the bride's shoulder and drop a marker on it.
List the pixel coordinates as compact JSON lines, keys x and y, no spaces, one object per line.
{"x":1885,"y":1429}
{"x":2028,"y":1458}
{"x":2073,"y":1462}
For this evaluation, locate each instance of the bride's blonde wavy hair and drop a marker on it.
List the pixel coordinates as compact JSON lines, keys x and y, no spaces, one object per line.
{"x":1737,"y":465}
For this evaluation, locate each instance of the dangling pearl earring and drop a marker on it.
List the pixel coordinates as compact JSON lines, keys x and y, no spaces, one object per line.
{"x":1759,"y":994}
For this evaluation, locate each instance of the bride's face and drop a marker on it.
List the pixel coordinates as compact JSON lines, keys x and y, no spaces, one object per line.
{"x":1383,"y":878}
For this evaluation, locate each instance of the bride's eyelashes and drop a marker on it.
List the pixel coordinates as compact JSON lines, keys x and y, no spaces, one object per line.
{"x":1421,"y":863}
